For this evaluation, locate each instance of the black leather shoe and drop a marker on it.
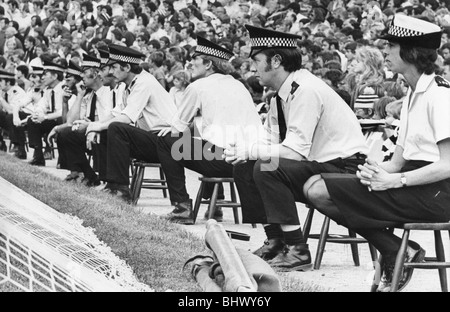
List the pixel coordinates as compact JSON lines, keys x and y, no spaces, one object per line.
{"x":182,"y":213}
{"x":412,"y":256}
{"x":92,"y":182}
{"x":3,"y":146}
{"x":293,"y":258}
{"x":71,"y":176}
{"x":20,"y":153}
{"x":37,"y":162}
{"x":121,"y":191}
{"x":218,"y":214}
{"x":271,"y":248}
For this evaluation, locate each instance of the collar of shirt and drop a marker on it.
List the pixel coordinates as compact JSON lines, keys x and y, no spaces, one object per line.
{"x":130,"y":87}
{"x":424,"y":82}
{"x":286,"y":88}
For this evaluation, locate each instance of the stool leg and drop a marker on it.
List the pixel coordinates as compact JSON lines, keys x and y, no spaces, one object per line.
{"x":440,"y":255}
{"x":354,"y":248}
{"x":373,"y":255}
{"x":212,"y":203}
{"x":308,"y":222}
{"x":233,"y":200}
{"x":377,"y":274}
{"x":399,"y":261}
{"x":162,"y":177}
{"x":198,"y":201}
{"x":138,"y":185}
{"x":322,"y":242}
{"x":133,"y":179}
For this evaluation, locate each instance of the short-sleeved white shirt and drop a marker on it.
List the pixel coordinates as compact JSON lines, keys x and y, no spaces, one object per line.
{"x":425,"y":119}
{"x":145,"y":99}
{"x":320,"y":125}
{"x":225,"y":110}
{"x":45,"y":103}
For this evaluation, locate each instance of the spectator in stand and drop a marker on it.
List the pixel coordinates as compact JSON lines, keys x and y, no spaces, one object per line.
{"x":155,"y":61}
{"x":181,"y":79}
{"x":368,"y":71}
{"x":22,"y":75}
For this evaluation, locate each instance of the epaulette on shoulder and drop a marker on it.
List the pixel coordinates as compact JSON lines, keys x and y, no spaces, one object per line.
{"x":441,"y":82}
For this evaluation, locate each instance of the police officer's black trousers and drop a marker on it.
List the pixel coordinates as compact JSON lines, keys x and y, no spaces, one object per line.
{"x":72,"y":149}
{"x":268,"y":190}
{"x":177,"y":153}
{"x":125,"y":142}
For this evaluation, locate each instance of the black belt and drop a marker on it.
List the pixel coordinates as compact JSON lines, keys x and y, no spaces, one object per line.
{"x":357,"y":156}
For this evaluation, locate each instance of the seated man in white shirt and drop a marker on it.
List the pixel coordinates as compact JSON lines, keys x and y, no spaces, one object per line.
{"x":12,"y":97}
{"x":145,"y":103}
{"x":310,"y":130}
{"x":225,"y":112}
{"x":95,"y":105}
{"x":48,"y":111}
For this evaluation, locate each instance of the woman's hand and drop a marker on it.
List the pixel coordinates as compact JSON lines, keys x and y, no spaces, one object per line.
{"x":376,"y":178}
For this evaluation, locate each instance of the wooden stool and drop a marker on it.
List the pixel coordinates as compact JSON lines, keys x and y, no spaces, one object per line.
{"x":212,"y":203}
{"x":138,"y":182}
{"x":437,"y":262}
{"x":325,"y":237}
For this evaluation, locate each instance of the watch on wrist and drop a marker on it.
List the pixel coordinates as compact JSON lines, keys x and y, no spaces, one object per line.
{"x":403,"y":179}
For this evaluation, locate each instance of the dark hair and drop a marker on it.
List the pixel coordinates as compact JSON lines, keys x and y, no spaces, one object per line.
{"x":24,"y":70}
{"x":291,"y":59}
{"x":424,"y":59}
{"x":134,"y":68}
{"x":38,"y":20}
{"x":155,"y":43}
{"x":145,"y":19}
{"x":89,"y":6}
{"x":157,"y":57}
{"x":39,"y":4}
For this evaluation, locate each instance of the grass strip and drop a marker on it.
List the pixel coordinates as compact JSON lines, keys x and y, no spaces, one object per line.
{"x":155,"y":249}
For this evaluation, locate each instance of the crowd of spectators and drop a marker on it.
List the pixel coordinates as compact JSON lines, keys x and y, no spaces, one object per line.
{"x":338,"y":39}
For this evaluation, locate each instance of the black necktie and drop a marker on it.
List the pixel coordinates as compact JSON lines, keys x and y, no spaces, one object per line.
{"x":114,"y":99}
{"x":6,"y":97}
{"x":53,"y":101}
{"x":281,"y":119}
{"x":93,"y":105}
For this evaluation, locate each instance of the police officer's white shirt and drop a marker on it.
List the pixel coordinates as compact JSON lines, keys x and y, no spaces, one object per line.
{"x":16,"y":95}
{"x":45,"y":103}
{"x":103,"y":105}
{"x":225,"y":109}
{"x":119,"y":89}
{"x":320,"y":125}
{"x":147,"y":100}
{"x":425,"y":119}
{"x":103,"y":100}
{"x":32,"y":97}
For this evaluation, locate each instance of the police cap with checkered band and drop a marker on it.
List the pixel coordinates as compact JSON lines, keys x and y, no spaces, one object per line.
{"x":413,"y":32}
{"x":90,"y":61}
{"x":6,"y":75}
{"x":206,"y":47}
{"x":37,"y":70}
{"x":104,"y":55}
{"x":73,"y":69}
{"x":50,"y":66}
{"x":123,"y":54}
{"x":262,"y":39}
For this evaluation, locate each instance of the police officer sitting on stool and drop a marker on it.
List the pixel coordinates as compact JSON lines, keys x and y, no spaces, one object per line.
{"x":310,"y":129}
{"x":414,"y":186}
{"x":146,"y":104}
